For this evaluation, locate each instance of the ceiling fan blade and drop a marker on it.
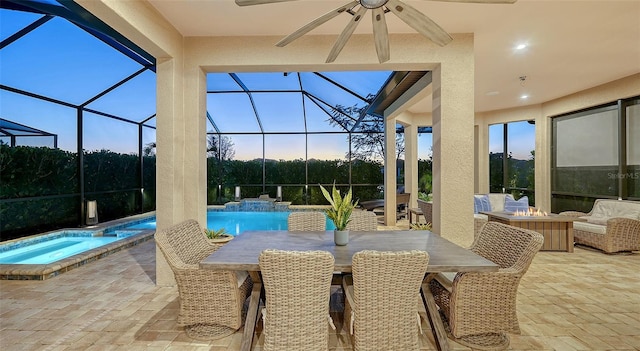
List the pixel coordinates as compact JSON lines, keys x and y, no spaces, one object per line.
{"x":346,"y":34}
{"x":423,"y":24}
{"x":481,"y":1}
{"x":258,"y":2}
{"x":380,"y":34}
{"x":315,"y":23}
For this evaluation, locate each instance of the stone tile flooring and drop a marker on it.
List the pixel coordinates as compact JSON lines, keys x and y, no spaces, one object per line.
{"x":581,"y":301}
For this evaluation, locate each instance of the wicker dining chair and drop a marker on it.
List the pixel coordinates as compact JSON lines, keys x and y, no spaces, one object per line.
{"x":297,"y":287}
{"x":363,"y":221}
{"x":210,"y":301}
{"x":307,"y":221}
{"x":380,"y":299}
{"x":480,"y":308}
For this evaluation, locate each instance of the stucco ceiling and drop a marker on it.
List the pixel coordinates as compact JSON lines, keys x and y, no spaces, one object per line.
{"x":573,"y":45}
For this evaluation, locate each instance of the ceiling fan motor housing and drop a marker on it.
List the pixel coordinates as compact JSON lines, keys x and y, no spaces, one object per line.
{"x":373,"y":4}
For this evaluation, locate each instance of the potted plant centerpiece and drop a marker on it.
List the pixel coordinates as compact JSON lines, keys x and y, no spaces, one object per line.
{"x":218,"y":236}
{"x":339,"y":213}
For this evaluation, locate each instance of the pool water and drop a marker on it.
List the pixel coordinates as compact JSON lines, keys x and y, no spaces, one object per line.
{"x":53,"y":250}
{"x":238,"y":222}
{"x":53,"y":247}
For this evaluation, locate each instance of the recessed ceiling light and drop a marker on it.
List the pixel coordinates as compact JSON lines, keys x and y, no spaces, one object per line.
{"x":524,"y":96}
{"x":492,"y":93}
{"x":521,"y":46}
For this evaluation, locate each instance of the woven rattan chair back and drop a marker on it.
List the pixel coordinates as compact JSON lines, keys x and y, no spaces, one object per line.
{"x":507,"y":246}
{"x":297,"y":286}
{"x":385,"y":289}
{"x":210,"y":301}
{"x":363,"y":221}
{"x":184,"y":242}
{"x":480,"y":308}
{"x":307,"y":221}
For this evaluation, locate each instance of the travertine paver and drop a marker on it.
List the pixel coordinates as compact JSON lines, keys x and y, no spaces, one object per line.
{"x":581,"y":301}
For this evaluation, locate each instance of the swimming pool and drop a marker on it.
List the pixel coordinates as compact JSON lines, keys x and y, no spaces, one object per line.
{"x":56,"y":248}
{"x":43,"y":256}
{"x":236,"y":222}
{"x":51,"y":254}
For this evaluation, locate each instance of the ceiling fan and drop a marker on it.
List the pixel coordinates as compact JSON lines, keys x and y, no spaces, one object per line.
{"x":414,"y":18}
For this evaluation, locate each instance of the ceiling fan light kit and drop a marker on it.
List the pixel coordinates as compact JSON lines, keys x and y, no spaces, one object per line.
{"x":414,"y":18}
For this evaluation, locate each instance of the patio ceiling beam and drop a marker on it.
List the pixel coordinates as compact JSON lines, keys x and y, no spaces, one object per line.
{"x":408,"y":89}
{"x":24,"y":31}
{"x":253,"y":104}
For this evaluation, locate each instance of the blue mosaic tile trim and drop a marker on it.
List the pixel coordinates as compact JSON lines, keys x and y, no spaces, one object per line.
{"x":46,"y":237}
{"x":116,"y":227}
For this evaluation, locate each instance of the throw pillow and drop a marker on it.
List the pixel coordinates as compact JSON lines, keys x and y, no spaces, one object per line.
{"x":481,"y":203}
{"x":511,"y":205}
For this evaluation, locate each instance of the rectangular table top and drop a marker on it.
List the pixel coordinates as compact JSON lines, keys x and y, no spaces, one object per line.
{"x":242,"y":252}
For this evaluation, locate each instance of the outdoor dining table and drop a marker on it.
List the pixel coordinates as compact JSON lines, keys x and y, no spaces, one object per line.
{"x":242,"y":254}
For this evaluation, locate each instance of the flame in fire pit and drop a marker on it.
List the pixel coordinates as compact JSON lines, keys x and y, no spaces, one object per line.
{"x":531,"y":212}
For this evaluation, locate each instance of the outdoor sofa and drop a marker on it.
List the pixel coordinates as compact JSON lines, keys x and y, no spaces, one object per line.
{"x":493,"y":202}
{"x":611,"y":225}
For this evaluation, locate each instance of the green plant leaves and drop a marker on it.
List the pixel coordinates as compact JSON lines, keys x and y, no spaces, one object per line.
{"x":341,"y":207}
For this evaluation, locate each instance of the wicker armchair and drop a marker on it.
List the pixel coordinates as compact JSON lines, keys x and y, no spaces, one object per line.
{"x":307,"y":221}
{"x":613,"y":233}
{"x":380,"y":304}
{"x":210,"y":301}
{"x":297,"y":287}
{"x":363,"y":221}
{"x":480,"y":308}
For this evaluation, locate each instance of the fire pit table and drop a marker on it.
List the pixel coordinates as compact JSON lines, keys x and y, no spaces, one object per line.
{"x":557,"y":230}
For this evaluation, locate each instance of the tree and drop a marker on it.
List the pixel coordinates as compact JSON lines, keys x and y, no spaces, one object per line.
{"x":220,"y":147}
{"x":367,"y":140}
{"x":149,"y":149}
{"x":215,"y":143}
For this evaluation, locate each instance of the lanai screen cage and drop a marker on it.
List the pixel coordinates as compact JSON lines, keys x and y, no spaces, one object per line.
{"x":15,"y":134}
{"x":93,"y":91}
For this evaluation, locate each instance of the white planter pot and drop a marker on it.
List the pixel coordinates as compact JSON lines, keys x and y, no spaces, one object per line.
{"x":341,"y":237}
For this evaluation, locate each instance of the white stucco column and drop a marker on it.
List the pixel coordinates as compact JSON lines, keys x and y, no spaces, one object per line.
{"x":390,"y":180}
{"x":481,"y":134}
{"x":542,"y":163}
{"x":453,"y":148}
{"x":181,"y":167}
{"x":411,"y":163}
{"x":169,"y":144}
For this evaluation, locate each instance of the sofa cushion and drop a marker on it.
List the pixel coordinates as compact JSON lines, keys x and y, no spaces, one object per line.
{"x":590,"y":227}
{"x":614,"y":208}
{"x":597,"y":220}
{"x":481,"y":203}
{"x":480,"y":216}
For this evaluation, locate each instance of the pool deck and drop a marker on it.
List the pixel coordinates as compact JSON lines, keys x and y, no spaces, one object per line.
{"x":581,"y":301}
